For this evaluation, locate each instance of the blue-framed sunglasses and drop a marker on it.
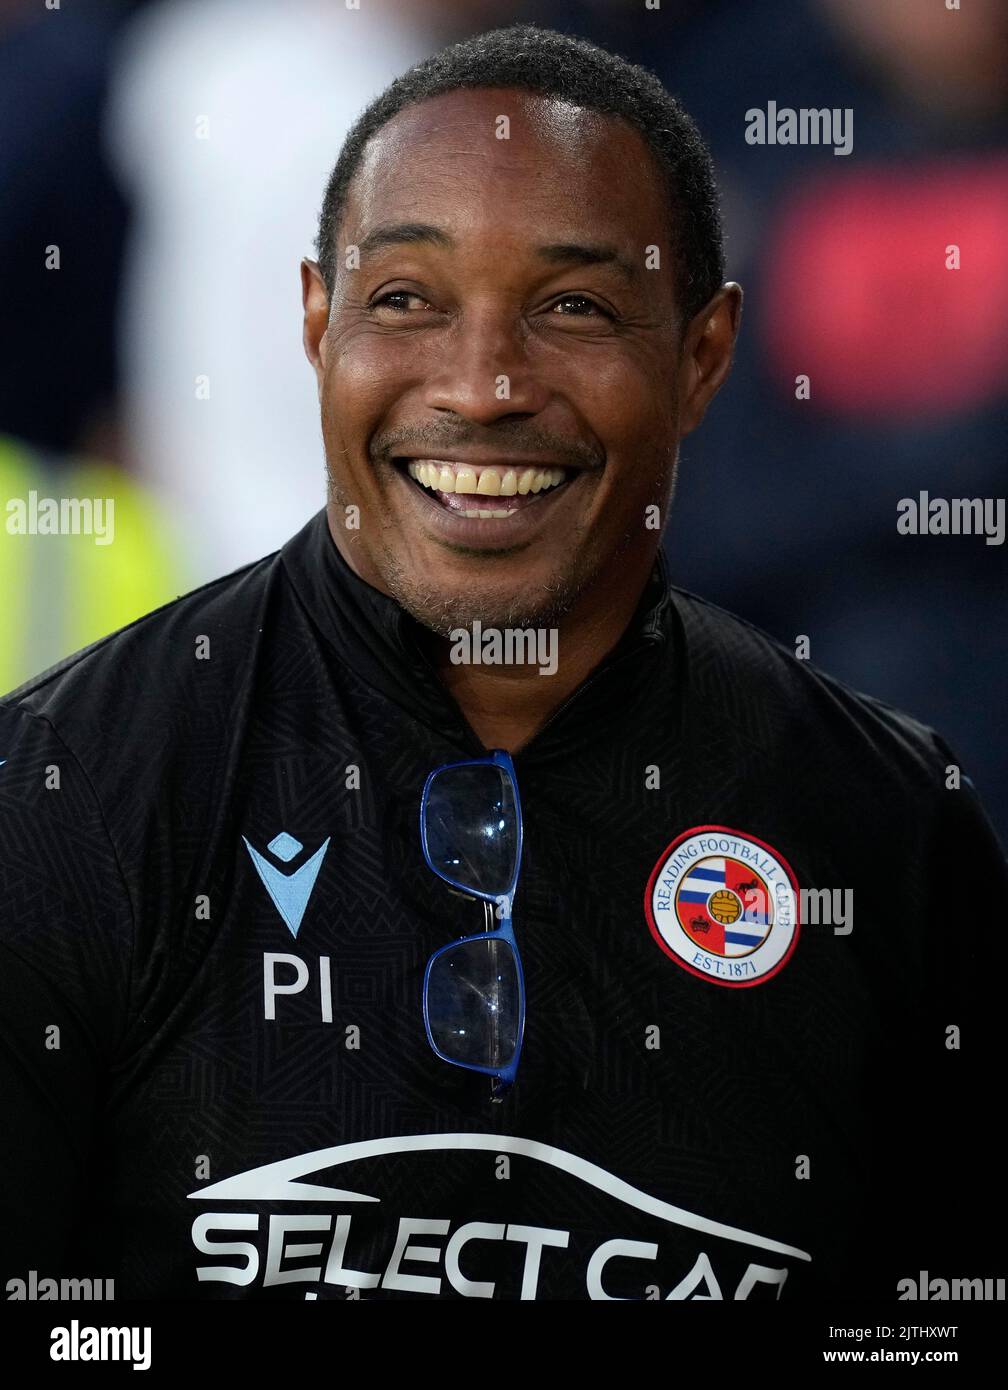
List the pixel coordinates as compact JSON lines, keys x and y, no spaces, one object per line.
{"x":474,"y":989}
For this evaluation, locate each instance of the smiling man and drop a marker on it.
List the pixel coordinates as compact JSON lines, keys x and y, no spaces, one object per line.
{"x":287,"y":883}
{"x":503,"y":381}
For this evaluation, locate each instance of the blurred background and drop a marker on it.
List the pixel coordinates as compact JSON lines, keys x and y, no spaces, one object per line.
{"x":175,"y":153}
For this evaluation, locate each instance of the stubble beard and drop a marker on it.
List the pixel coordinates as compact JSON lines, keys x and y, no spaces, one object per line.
{"x":493,"y":606}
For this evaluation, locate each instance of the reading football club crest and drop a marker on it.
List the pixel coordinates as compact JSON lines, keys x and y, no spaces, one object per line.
{"x":724,"y":906}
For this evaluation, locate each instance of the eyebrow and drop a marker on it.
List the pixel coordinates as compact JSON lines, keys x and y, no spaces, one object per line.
{"x":557,"y":253}
{"x":573,"y":253}
{"x":408,"y":233}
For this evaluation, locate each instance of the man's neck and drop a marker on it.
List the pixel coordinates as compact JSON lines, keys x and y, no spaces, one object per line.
{"x":507,"y":704}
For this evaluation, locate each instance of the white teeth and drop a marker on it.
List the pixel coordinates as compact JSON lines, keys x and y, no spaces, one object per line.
{"x":488,"y":482}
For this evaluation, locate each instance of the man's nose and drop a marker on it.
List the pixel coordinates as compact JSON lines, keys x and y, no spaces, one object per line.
{"x":482,"y":368}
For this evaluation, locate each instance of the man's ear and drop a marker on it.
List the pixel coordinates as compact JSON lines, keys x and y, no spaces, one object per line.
{"x":707,"y":353}
{"x":315,"y":299}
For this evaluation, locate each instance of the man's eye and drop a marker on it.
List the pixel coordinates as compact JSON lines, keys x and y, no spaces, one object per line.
{"x":399,"y":307}
{"x":582,"y":300}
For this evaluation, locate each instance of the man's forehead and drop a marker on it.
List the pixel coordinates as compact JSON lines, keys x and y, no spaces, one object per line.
{"x":497,"y":116}
{"x":538,"y":147}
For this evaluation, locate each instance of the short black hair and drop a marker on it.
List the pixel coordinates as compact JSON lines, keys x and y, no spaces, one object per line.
{"x":551,"y":64}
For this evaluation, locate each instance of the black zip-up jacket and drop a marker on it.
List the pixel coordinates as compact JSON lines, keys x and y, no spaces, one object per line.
{"x":216,"y":916}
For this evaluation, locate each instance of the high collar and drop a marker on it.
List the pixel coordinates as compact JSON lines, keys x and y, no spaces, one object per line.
{"x":379,"y":641}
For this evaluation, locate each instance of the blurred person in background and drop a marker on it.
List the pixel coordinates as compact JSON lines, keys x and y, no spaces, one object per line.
{"x":63,"y":226}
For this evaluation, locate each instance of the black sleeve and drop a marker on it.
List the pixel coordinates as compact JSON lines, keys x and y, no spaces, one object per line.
{"x":65,"y":956}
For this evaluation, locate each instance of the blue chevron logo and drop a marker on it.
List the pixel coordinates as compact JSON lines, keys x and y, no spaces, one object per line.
{"x":290,"y":892}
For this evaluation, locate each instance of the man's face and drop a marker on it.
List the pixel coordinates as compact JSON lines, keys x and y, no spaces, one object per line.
{"x":502,"y":348}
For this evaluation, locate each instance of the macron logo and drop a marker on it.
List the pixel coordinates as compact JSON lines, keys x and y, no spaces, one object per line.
{"x":290,"y":892}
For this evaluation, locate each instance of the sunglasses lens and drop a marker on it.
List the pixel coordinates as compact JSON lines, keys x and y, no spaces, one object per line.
{"x":471,"y":827}
{"x":473,"y":1002}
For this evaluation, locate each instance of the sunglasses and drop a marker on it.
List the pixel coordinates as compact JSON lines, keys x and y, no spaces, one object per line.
{"x":474,"y":988}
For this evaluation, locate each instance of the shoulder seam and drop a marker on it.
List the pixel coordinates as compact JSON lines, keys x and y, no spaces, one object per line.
{"x":874,"y":702}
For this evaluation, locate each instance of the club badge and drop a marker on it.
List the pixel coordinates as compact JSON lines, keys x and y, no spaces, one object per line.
{"x":724,"y":906}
